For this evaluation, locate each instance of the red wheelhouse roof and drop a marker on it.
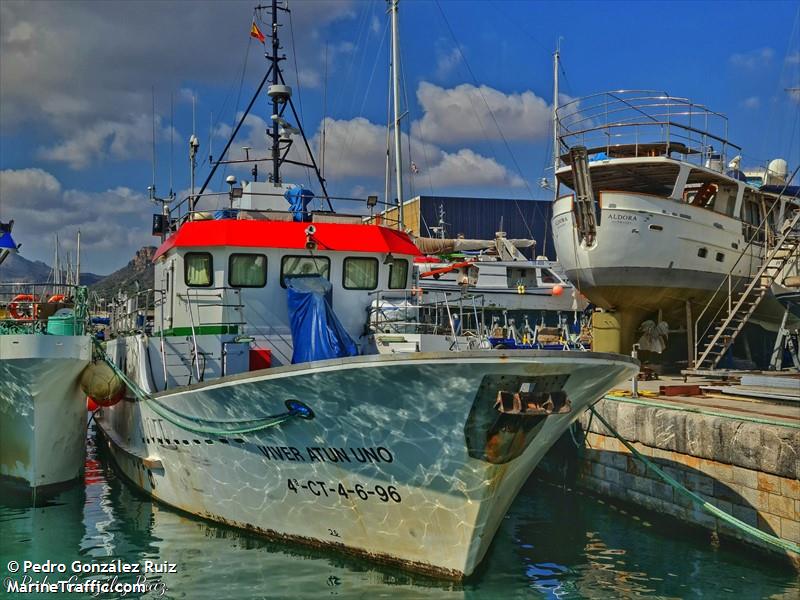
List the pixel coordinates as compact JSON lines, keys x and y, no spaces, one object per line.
{"x":336,"y":237}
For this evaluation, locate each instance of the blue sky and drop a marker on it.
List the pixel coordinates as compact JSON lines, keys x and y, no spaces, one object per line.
{"x":76,"y":79}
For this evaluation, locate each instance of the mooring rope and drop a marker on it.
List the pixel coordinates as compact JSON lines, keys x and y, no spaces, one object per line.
{"x":204,"y":426}
{"x":708,"y":507}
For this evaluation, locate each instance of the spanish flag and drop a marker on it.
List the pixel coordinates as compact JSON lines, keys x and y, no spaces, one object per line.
{"x":256,"y":33}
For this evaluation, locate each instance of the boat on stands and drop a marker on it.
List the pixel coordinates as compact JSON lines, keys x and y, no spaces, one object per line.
{"x":284,"y":379}
{"x":660,"y":227}
{"x":44,"y":349}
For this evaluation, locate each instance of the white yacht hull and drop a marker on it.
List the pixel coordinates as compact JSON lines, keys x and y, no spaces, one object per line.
{"x":655,"y":254}
{"x":405,"y":461}
{"x":42,"y":411}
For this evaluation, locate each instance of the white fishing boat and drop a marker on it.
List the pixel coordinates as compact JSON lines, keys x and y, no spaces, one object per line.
{"x":43,"y":351}
{"x":500,"y":273}
{"x":267,"y":390}
{"x":663,"y":225}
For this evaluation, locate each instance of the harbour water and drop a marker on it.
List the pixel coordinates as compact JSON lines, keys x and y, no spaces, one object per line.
{"x":554,"y":543}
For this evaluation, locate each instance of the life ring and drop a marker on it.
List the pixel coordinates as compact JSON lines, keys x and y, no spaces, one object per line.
{"x":56,"y":298}
{"x":14,"y":305}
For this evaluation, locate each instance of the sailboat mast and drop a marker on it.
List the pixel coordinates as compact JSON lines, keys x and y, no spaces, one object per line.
{"x":556,"y":56}
{"x":276,"y":173}
{"x":398,"y":159}
{"x":78,"y":261}
{"x":56,"y":268}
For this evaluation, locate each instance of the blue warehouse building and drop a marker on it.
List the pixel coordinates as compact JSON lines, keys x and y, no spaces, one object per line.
{"x":480,"y":218}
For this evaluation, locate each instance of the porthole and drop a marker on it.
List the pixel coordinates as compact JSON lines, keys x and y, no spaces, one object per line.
{"x":719,"y":257}
{"x":702,"y":252}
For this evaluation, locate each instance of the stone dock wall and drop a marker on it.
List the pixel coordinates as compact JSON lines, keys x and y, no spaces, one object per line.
{"x":750,"y":470}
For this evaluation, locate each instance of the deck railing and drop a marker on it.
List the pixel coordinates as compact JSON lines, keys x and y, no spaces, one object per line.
{"x":28,"y":307}
{"x":222,"y":205}
{"x":436,"y":313}
{"x":640,"y":117}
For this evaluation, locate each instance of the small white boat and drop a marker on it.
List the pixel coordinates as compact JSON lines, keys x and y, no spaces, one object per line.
{"x":43,"y":350}
{"x":497,"y":270}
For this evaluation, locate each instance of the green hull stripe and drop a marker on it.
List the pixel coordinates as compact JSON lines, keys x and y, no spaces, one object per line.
{"x":201,"y":330}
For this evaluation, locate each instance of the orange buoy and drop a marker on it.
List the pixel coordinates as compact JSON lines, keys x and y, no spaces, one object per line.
{"x":106,"y":402}
{"x":14,"y":307}
{"x":102,"y":384}
{"x":56,"y":298}
{"x":91,"y":405}
{"x":557,"y":290}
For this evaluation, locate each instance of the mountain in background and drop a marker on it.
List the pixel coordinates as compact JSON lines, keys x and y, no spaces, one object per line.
{"x":139,"y":271}
{"x":16,"y":268}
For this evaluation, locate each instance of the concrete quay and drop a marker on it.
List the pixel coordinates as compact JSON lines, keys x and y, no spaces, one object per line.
{"x":740,"y":454}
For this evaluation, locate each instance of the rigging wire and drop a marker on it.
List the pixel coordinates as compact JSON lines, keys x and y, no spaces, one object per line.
{"x":378,"y":55}
{"x":516,"y":24}
{"x":494,"y":119}
{"x":348,"y":140}
{"x":337,"y":103}
{"x":411,"y":177}
{"x":238,"y":95}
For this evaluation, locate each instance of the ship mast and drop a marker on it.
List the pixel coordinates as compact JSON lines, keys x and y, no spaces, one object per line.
{"x":281,"y":131}
{"x":398,"y":159}
{"x":276,"y":98}
{"x":556,"y":57}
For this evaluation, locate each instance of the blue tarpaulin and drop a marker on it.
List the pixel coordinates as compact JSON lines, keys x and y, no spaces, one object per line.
{"x":316,"y":332}
{"x":298,"y":199}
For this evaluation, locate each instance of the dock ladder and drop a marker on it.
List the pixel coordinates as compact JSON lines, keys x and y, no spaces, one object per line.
{"x":720,"y":335}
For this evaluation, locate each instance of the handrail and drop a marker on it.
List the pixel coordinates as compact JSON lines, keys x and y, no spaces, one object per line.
{"x":605,"y":114}
{"x":727,"y":280}
{"x":39,"y":300}
{"x":430,"y":309}
{"x":178,"y":213}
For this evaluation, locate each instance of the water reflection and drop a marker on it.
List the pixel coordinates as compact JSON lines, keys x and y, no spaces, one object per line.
{"x":555,"y":543}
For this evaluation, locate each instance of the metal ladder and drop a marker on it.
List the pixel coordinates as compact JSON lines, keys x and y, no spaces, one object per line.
{"x":722,"y":336}
{"x":585,"y":205}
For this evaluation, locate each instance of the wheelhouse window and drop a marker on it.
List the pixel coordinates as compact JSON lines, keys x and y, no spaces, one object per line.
{"x":198,"y":269}
{"x":548,"y":277}
{"x":247,"y":270}
{"x":398,"y":274}
{"x":304,"y":266}
{"x":360,"y":273}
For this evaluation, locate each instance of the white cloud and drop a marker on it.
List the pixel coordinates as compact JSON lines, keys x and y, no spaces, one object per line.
{"x":115,"y":139}
{"x":356,"y":148}
{"x":375,"y":24}
{"x":446,"y":62}
{"x":460,"y":114}
{"x":752,"y":59}
{"x":107,"y":56}
{"x":466,"y":167}
{"x":114,"y":223}
{"x":752,"y":102}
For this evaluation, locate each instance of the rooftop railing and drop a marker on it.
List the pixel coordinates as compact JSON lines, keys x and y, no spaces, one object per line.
{"x":222,"y":205}
{"x":27,"y":307}
{"x":643,"y":120}
{"x":437,"y":313}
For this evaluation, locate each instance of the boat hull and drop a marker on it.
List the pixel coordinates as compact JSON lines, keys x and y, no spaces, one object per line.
{"x":405,"y":461}
{"x":42,"y":412}
{"x":653,"y":255}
